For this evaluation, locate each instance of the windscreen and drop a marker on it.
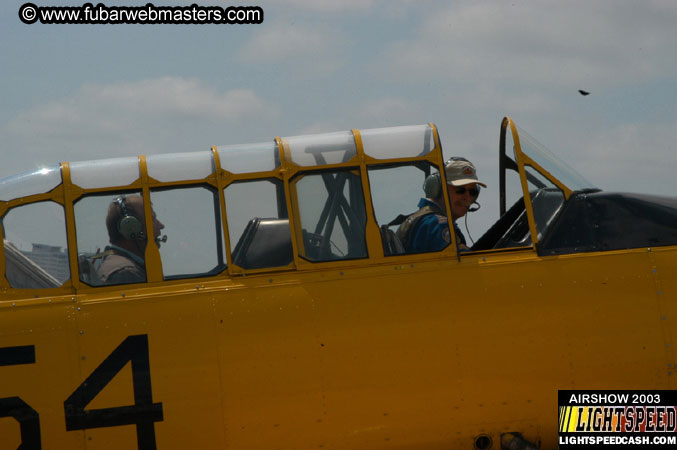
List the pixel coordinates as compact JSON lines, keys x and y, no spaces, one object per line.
{"x":555,"y":166}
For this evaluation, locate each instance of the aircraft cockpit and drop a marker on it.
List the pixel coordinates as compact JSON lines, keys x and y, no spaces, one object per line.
{"x":259,"y":295}
{"x":311,"y":202}
{"x":557,"y":211}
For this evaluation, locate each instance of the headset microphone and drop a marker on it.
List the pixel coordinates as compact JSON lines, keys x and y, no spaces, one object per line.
{"x":163,"y":238}
{"x":471,"y":209}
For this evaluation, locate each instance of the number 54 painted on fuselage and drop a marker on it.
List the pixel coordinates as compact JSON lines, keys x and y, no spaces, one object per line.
{"x":275,"y":317}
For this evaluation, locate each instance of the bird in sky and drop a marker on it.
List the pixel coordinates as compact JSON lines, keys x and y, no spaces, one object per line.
{"x":583,"y":93}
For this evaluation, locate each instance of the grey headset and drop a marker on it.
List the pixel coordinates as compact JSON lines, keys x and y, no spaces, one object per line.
{"x":432,"y":186}
{"x":129,"y":226}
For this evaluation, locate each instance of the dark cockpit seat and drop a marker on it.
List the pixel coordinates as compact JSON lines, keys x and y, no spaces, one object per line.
{"x":264,"y":243}
{"x":391,"y":243}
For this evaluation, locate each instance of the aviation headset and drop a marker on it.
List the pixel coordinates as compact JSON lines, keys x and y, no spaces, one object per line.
{"x":129,"y":226}
{"x":432,"y":186}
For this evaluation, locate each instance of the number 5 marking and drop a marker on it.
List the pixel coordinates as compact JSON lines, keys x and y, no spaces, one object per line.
{"x":29,"y":421}
{"x":143,"y":413}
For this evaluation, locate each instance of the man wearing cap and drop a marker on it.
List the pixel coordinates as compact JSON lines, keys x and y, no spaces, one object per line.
{"x":427,"y":230}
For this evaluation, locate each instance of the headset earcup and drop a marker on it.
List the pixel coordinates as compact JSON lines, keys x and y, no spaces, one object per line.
{"x":129,"y":227}
{"x":432,"y":186}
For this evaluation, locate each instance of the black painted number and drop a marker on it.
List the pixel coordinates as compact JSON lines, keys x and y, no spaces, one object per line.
{"x":29,"y":421}
{"x":143,"y":413}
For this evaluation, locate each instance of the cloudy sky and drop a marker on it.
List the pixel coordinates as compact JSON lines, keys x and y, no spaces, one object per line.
{"x":78,"y":92}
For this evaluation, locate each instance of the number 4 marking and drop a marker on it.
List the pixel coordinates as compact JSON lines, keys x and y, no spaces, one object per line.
{"x":143,"y":413}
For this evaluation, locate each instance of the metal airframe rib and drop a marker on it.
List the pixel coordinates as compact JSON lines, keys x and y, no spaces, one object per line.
{"x":68,"y":193}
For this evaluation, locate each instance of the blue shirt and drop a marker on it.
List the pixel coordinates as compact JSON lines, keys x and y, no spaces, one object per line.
{"x":431,"y":233}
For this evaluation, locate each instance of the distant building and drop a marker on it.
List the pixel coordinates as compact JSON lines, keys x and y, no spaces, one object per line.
{"x":50,"y":258}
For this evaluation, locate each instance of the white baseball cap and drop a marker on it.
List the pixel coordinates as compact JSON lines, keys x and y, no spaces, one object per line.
{"x":460,"y":171}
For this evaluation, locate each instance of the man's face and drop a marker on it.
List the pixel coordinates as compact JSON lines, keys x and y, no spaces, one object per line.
{"x":157,"y":227}
{"x":460,"y":198}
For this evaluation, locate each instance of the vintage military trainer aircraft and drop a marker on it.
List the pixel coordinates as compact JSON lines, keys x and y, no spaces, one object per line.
{"x":278,"y":311}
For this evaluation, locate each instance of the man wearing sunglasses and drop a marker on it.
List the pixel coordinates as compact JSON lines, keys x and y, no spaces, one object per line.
{"x":427,"y":230}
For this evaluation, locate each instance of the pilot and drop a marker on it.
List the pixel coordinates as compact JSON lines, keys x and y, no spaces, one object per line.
{"x":123,"y":260}
{"x":427,"y":230}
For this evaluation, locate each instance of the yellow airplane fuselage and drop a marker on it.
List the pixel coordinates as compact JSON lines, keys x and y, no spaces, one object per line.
{"x":425,"y":355}
{"x":342,"y":345}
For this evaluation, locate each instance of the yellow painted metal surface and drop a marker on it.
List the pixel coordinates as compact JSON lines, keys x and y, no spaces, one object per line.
{"x":371,"y":357}
{"x":423,"y":351}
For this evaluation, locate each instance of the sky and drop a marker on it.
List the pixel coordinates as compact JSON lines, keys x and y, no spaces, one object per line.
{"x":81,"y":92}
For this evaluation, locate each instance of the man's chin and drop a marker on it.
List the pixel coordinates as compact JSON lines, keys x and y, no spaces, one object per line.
{"x":460,"y":212}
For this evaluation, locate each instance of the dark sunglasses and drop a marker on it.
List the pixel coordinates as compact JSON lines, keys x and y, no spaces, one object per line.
{"x":474,"y":192}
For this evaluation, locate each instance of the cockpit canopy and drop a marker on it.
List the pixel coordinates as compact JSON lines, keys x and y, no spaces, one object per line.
{"x":227,"y":209}
{"x":295,"y":203}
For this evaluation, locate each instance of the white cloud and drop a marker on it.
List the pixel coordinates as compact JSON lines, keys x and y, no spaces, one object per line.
{"x":95,"y":105}
{"x":571,"y":43}
{"x":166,"y":114}
{"x":328,"y":6}
{"x":179,"y":96}
{"x":390,"y":108}
{"x":307,"y":49}
{"x":372,"y":113}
